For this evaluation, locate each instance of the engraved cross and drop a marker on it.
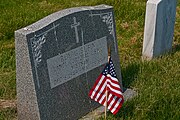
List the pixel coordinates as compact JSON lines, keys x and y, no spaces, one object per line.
{"x":75,"y":25}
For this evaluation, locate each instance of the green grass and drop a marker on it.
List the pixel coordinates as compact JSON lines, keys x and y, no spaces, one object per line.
{"x":157,"y":82}
{"x":8,"y":114}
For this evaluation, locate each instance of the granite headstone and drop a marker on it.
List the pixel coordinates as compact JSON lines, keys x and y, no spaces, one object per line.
{"x":58,"y":59}
{"x":159,"y":27}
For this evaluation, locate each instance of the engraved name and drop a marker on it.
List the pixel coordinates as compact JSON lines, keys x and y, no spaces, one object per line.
{"x":73,"y":63}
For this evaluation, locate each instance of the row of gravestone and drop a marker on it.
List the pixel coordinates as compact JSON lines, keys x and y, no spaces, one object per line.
{"x":59,"y":57}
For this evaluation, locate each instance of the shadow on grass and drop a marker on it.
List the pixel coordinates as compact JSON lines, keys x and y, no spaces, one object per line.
{"x":129,"y":74}
{"x":175,"y":49}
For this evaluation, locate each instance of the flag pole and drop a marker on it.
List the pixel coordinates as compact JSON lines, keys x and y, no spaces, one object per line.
{"x":106,"y":103}
{"x":109,"y":55}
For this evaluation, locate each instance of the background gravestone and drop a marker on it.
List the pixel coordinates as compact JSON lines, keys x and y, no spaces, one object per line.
{"x":159,"y":27}
{"x":58,"y":60}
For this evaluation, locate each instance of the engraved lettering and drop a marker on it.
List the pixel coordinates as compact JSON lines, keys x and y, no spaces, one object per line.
{"x":73,"y":63}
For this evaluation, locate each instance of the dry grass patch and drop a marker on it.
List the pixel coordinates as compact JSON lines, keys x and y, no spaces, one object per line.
{"x":7,"y":104}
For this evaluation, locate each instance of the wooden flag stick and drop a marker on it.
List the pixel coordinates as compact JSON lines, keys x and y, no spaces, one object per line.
{"x":109,"y":54}
{"x":106,"y":103}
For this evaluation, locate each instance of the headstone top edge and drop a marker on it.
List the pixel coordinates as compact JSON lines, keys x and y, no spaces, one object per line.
{"x":57,"y":15}
{"x":154,"y":1}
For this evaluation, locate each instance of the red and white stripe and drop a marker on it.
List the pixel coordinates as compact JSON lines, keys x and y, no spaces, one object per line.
{"x":115,"y":97}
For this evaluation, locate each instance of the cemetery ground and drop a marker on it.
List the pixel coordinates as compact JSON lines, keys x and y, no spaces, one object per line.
{"x":157,"y":82}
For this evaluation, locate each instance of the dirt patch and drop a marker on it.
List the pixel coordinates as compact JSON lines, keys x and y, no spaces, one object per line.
{"x":8,"y":104}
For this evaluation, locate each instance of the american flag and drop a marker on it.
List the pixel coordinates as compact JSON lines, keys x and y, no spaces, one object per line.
{"x":107,"y":80}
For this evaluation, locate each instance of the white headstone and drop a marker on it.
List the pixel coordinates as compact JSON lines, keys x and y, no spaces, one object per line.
{"x":159,"y":27}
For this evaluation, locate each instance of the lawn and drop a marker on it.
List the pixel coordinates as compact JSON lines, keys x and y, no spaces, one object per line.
{"x":157,"y":82}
